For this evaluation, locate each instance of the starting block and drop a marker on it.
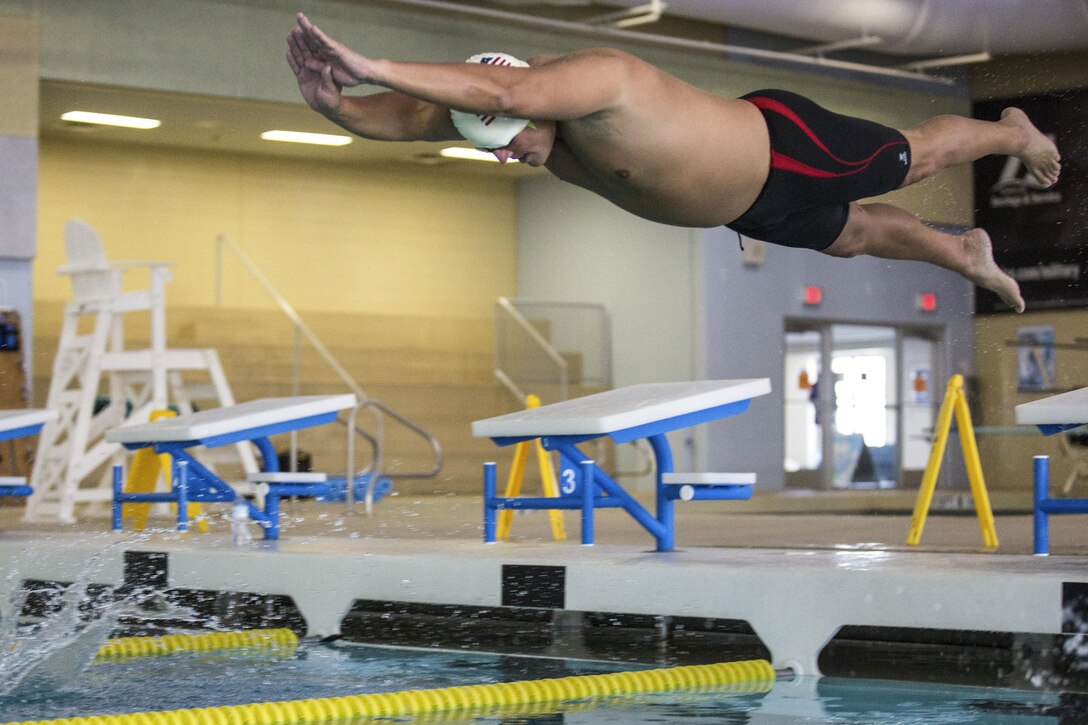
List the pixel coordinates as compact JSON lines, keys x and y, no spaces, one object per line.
{"x":18,"y":424}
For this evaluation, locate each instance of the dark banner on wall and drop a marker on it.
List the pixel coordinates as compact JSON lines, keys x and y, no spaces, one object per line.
{"x":1040,"y":235}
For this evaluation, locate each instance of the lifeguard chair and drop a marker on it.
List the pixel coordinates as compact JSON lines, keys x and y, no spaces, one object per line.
{"x":99,"y":384}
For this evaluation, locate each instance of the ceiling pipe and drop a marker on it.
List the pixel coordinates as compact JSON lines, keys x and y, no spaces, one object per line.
{"x":914,"y":28}
{"x":638,"y":15}
{"x":948,"y":61}
{"x":661,"y":41}
{"x":849,"y":44}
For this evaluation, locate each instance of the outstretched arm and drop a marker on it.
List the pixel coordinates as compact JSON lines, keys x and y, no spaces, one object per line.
{"x":554,"y":88}
{"x":381,"y":116}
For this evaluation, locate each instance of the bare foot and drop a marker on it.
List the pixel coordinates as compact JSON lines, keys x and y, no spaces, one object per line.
{"x":1040,"y":154}
{"x":984,"y":271}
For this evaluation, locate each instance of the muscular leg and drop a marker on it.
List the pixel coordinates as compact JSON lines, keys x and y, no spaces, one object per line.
{"x":888,"y":232}
{"x":945,"y":141}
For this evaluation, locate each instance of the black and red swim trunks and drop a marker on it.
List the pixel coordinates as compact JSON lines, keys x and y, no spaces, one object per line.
{"x":820,"y":162}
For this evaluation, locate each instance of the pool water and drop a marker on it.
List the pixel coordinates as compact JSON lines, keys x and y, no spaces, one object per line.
{"x":331,"y":670}
{"x":315,"y":670}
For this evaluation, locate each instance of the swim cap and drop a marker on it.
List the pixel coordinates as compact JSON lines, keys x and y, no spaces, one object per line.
{"x":490,"y":132}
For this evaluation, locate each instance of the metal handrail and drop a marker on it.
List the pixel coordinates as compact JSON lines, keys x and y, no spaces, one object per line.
{"x":378,"y":408}
{"x":513,"y":309}
{"x":374,"y":469}
{"x":508,"y":307}
{"x":507,"y":382}
{"x":281,"y":302}
{"x":520,"y":304}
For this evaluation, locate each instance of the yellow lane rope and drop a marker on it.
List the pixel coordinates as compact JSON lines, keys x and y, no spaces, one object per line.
{"x":212,"y":641}
{"x":747,"y":676}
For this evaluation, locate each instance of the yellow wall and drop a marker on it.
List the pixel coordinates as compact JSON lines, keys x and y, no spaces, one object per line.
{"x":329,"y":237}
{"x":1007,"y":458}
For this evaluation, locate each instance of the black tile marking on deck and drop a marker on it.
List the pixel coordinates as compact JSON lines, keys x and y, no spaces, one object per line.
{"x":525,"y":585}
{"x":145,"y":570}
{"x":1074,"y":607}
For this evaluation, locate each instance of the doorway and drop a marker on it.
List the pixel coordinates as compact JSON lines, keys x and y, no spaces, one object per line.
{"x":859,"y":403}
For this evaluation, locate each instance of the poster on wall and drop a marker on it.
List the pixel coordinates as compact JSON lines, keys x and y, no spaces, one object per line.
{"x":1040,"y":235}
{"x":1035,"y":359}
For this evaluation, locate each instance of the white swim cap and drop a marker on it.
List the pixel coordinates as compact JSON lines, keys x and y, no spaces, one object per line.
{"x":490,"y":132}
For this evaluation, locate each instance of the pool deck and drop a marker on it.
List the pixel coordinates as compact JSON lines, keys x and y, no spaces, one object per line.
{"x":770,"y":569}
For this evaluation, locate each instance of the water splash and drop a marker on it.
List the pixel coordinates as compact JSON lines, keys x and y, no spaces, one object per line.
{"x":48,"y":655}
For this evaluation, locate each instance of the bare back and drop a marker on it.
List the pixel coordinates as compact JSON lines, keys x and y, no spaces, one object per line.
{"x":667,"y":151}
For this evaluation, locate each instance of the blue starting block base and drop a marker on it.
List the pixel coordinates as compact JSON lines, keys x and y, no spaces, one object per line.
{"x":254,"y":421}
{"x":338,"y":491}
{"x":329,"y":490}
{"x":19,"y":423}
{"x":189,"y":488}
{"x":1052,"y":415}
{"x":1046,"y":506}
{"x":625,"y":414}
{"x":15,"y":489}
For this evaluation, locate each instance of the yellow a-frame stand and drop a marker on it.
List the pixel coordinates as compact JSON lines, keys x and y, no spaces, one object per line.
{"x":143,"y":477}
{"x":955,"y":401}
{"x":517,"y":475}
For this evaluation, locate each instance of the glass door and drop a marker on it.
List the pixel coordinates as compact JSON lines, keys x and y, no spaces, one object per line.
{"x":858,"y":404}
{"x":863,"y":406}
{"x":921,"y":390}
{"x":803,"y":419}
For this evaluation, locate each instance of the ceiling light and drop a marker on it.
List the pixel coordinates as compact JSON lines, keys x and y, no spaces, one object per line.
{"x":321,"y":139}
{"x":460,"y":152}
{"x":109,"y":119}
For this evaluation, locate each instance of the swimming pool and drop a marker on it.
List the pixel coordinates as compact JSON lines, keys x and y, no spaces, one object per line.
{"x":576,"y":611}
{"x":317,"y":670}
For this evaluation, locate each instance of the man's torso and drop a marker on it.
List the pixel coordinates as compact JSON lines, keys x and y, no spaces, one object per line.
{"x":669,"y":153}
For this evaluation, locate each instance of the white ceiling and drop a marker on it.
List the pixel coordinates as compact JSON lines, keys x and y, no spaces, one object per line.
{"x":910,"y":27}
{"x":915,"y":27}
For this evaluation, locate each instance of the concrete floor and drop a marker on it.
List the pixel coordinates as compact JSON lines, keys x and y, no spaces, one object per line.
{"x":834,"y":520}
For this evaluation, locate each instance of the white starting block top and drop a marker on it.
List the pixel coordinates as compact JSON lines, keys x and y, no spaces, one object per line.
{"x":708,"y":479}
{"x":24,"y":417}
{"x":1063,"y":409}
{"x":230,"y":419}
{"x":620,"y":409}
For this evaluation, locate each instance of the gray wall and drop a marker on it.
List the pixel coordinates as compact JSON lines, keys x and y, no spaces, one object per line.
{"x":19,"y":163}
{"x":18,"y":229}
{"x":644,"y":273}
{"x":18,"y":196}
{"x":744,"y":309}
{"x":684,"y":306}
{"x":574,"y":246}
{"x":235,"y":48}
{"x":223,"y":48}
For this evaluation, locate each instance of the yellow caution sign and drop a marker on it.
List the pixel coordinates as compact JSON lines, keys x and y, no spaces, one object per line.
{"x":517,"y":475}
{"x":955,"y":402}
{"x":143,"y":477}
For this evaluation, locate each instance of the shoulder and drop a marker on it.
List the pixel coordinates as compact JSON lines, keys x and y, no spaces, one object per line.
{"x":607,"y":56}
{"x":578,"y":85}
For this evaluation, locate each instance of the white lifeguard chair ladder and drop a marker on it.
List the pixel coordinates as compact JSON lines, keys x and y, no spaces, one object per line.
{"x":93,"y":368}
